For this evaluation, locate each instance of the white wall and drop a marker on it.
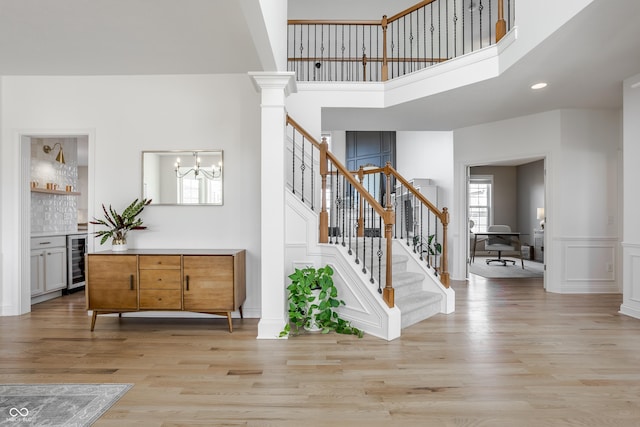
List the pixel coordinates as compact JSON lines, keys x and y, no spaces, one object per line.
{"x":581,"y":149}
{"x":125,"y":115}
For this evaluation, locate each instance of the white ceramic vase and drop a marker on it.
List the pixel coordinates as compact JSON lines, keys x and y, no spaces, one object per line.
{"x":119,"y":245}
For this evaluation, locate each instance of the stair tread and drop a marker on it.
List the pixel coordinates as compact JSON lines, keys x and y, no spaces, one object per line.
{"x":416,"y":300}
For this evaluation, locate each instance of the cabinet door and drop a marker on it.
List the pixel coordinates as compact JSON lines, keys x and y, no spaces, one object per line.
{"x":37,"y":272}
{"x":208,"y":283}
{"x":55,"y":266}
{"x":112,"y":282}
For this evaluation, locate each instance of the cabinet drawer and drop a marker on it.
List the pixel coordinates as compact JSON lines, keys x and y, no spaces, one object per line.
{"x":159,"y":262}
{"x":48,"y":242}
{"x":160,"y":299}
{"x":160,"y":279}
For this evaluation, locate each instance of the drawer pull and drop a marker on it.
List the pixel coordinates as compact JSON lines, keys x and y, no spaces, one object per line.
{"x":45,"y":243}
{"x":131,"y":282}
{"x":187,"y":279}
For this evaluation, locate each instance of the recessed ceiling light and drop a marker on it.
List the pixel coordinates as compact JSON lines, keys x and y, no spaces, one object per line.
{"x":540,"y":85}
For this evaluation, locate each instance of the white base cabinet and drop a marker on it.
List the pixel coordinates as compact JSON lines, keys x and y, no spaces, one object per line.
{"x":48,"y":264}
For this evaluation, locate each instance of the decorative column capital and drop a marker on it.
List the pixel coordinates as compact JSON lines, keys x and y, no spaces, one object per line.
{"x":270,"y":84}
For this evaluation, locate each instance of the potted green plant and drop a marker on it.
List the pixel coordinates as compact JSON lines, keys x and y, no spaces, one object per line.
{"x":435,"y":250}
{"x":118,"y":225}
{"x":313,"y":298}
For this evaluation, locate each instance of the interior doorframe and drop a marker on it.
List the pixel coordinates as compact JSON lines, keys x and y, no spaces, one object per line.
{"x":463,"y":214}
{"x":23,"y":273}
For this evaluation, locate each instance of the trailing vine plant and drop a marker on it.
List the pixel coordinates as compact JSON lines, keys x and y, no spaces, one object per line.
{"x":305,"y":309}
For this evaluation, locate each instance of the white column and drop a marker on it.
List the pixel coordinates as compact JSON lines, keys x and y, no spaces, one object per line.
{"x":631,"y":210}
{"x":274,"y":87}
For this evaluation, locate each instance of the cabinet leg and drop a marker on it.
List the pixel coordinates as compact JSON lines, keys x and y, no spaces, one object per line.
{"x":241,"y":315}
{"x":230,"y":322}
{"x":93,"y":319}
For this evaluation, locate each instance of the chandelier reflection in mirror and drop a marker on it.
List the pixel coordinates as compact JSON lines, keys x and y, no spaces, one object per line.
{"x":189,"y":177}
{"x":215,"y":171}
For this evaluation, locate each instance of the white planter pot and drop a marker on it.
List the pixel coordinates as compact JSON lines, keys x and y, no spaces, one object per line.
{"x":313,"y":326}
{"x":119,"y":245}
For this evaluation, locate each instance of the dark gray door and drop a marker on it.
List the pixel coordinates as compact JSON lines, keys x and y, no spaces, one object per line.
{"x":371,"y":148}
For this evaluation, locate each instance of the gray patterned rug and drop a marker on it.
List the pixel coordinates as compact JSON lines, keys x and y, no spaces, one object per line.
{"x":68,"y":405}
{"x":499,"y":271}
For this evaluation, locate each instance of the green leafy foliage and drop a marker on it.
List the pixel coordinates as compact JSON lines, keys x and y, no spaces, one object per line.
{"x":119,"y":224}
{"x":302,"y":303}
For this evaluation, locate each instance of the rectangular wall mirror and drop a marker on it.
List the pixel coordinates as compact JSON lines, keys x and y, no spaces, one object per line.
{"x":191,"y":177}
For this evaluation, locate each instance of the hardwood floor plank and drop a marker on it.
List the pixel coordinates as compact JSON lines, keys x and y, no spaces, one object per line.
{"x":511,"y":355}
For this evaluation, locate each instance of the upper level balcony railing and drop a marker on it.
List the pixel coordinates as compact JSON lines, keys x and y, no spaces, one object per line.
{"x":428,"y":33}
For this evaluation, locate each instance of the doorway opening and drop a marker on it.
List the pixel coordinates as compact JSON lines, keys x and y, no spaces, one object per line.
{"x":55,"y":215}
{"x":511,"y":194}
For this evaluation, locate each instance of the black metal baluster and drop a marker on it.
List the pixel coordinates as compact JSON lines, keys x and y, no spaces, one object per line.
{"x":439,"y":30}
{"x":424,"y":35}
{"x":293,"y":158}
{"x":357,"y":236}
{"x":364,"y":239}
{"x":372,"y":225}
{"x":350,"y":220}
{"x":379,"y":253}
{"x":446,"y":26}
{"x":471,"y":26}
{"x":344,"y":209}
{"x":480,"y":9}
{"x":490,"y":22}
{"x":402,"y":212}
{"x":410,"y":43}
{"x":302,"y":167}
{"x":336,"y":230}
{"x":455,"y":29}
{"x":429,"y":238}
{"x":463,"y":27}
{"x":313,"y":180}
{"x":432,"y":29}
{"x":421,"y":232}
{"x":395,"y":215}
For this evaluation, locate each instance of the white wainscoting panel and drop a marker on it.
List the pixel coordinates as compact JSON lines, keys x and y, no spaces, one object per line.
{"x":589,"y":265}
{"x":631,"y":273}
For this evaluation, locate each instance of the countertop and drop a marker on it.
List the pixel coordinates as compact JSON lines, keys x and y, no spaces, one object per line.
{"x":59,"y":233}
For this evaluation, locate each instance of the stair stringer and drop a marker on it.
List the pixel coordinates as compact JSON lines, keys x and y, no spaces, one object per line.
{"x":364,"y":306}
{"x":431,"y":282}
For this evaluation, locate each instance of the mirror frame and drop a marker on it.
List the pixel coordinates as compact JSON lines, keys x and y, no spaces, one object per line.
{"x":186,"y":154}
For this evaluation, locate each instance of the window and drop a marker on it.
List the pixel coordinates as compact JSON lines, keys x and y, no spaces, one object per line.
{"x":198,"y":190}
{"x":480,"y":202}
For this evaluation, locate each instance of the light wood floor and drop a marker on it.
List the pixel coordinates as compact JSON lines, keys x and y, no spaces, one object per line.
{"x":511,"y":355}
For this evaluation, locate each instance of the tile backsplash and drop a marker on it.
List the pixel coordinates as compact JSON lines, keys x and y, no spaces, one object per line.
{"x":54,"y":212}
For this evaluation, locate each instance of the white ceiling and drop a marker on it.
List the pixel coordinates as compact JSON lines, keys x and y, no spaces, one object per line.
{"x":98,"y":37}
{"x":584,"y":62}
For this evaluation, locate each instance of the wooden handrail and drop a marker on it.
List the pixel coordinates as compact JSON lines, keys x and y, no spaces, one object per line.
{"x":331,"y":22}
{"x":344,"y":171}
{"x":369,"y":59}
{"x":304,"y":133}
{"x":409,"y":10}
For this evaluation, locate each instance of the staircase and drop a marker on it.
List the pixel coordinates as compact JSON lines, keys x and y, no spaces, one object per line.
{"x":333,"y":218}
{"x":414,"y":302}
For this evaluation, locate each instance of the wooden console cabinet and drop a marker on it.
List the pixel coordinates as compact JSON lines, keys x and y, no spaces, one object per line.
{"x":205,"y":281}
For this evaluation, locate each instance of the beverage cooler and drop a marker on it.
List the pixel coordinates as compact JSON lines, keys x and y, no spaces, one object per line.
{"x":76,"y":250}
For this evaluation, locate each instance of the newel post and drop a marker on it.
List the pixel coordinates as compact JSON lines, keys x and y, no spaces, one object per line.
{"x":388,"y":294}
{"x":324,"y":215}
{"x":444,"y":274}
{"x":385,"y":63}
{"x":501,"y":24}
